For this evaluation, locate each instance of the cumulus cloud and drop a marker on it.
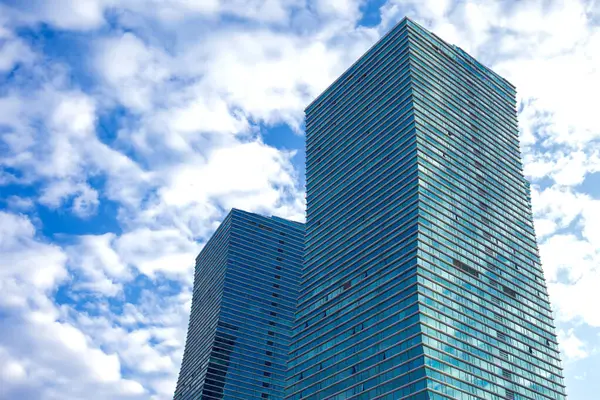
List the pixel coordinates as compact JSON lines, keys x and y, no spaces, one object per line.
{"x":29,"y":268}
{"x":13,"y":50}
{"x":43,"y":355}
{"x":572,"y":347}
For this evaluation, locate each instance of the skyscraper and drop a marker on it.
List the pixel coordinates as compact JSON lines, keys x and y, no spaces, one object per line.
{"x":245,"y":288}
{"x":422,"y":278}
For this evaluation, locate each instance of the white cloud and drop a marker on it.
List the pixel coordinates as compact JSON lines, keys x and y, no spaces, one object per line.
{"x":101,"y":267}
{"x":10,"y":369}
{"x":152,"y":251}
{"x":148,"y":336}
{"x":131,"y":70}
{"x":86,"y":202}
{"x":239,"y":169}
{"x":570,"y":259}
{"x":565,"y":168}
{"x":59,"y":362}
{"x":571,"y":346}
{"x":90,"y":14}
{"x":342,"y":9}
{"x":85,"y":198}
{"x":569,"y":253}
{"x":41,"y":353}
{"x":13,"y":50}
{"x":574,"y":294}
{"x":51,"y":139}
{"x":544,"y":227}
{"x":559,"y":204}
{"x":591,"y":222}
{"x":17,"y":203}
{"x":231,"y":78}
{"x":45,"y":352}
{"x":74,"y":14}
{"x":28,"y":268}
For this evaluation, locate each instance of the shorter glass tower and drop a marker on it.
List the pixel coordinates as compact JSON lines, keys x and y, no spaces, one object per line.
{"x":245,"y":291}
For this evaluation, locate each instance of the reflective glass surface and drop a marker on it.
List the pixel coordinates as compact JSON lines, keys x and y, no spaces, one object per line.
{"x":245,"y":290}
{"x":422,"y":278}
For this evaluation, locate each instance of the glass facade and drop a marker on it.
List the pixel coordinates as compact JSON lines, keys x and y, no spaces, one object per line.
{"x":421,"y":277}
{"x":245,"y":291}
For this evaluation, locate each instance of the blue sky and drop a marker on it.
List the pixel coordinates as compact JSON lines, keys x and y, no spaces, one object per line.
{"x":128,"y":128}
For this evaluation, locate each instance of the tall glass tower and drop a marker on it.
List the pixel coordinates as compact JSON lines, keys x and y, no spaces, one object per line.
{"x":422,"y":278}
{"x":245,"y":289}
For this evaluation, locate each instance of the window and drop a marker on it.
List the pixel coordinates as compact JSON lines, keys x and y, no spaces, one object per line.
{"x":261,"y":226}
{"x":509,"y":291}
{"x":506,"y":373}
{"x":464,"y":267}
